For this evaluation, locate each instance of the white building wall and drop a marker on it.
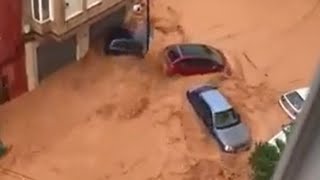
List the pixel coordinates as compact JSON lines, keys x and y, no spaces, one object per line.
{"x":31,"y":64}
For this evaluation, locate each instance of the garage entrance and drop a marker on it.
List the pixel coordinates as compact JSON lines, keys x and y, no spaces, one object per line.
{"x":99,"y":29}
{"x":53,"y":55}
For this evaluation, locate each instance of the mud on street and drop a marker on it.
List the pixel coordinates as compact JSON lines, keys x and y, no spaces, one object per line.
{"x":121,"y":118}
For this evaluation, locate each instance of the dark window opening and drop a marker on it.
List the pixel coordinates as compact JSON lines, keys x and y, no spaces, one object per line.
{"x":43,"y":10}
{"x":4,"y":90}
{"x":36,"y":12}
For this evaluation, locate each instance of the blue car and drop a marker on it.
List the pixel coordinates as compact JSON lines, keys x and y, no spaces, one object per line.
{"x":121,"y":41}
{"x":222,"y":121}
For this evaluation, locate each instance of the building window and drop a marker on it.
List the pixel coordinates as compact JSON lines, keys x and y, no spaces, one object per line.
{"x":41,"y":10}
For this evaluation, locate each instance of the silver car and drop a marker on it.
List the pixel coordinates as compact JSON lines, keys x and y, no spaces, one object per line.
{"x":220,"y":118}
{"x":292,"y":102}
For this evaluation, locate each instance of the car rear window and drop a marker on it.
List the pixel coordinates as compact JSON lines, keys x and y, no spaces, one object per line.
{"x":226,"y":119}
{"x":173,"y":55}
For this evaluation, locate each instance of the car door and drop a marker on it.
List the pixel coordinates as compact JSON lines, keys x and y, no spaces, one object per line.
{"x":206,"y":65}
{"x":185,"y":67}
{"x":202,"y":65}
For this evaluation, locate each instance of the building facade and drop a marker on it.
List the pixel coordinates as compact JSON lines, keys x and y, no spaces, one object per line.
{"x":60,"y":31}
{"x":13,"y":80}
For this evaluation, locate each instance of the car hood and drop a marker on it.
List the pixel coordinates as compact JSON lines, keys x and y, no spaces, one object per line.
{"x":235,"y":136}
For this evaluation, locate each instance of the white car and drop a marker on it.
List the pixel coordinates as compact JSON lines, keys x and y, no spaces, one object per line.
{"x":281,"y":135}
{"x":292,"y":101}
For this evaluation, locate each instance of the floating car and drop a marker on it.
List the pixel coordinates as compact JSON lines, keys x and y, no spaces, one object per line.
{"x":222,"y":121}
{"x":292,"y":102}
{"x":192,"y":59}
{"x":121,"y":41}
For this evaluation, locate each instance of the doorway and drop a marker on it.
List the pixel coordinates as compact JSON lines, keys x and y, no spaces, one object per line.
{"x":53,"y":55}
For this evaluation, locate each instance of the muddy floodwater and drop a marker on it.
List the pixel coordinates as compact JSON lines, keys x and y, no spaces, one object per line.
{"x":107,"y":118}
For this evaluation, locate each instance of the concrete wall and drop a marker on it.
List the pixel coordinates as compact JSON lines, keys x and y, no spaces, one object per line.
{"x":31,"y":64}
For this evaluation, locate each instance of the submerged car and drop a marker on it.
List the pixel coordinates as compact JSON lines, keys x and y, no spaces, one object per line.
{"x":282,"y":135}
{"x":222,"y":121}
{"x":121,"y":41}
{"x":192,"y":59}
{"x":292,"y":102}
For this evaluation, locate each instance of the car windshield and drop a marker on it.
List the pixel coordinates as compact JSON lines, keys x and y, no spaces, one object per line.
{"x":226,"y":119}
{"x":295,"y":99}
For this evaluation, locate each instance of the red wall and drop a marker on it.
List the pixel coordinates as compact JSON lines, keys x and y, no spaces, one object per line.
{"x":12,"y":61}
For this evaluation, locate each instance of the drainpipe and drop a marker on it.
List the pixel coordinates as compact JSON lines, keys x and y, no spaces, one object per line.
{"x":148,"y":25}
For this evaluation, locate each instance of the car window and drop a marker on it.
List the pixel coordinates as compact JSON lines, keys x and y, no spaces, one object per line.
{"x":184,"y":64}
{"x":207,"y":112}
{"x":295,"y":99}
{"x":173,"y":55}
{"x":226,"y":119}
{"x":135,"y":46}
{"x":215,"y":55}
{"x":201,"y":63}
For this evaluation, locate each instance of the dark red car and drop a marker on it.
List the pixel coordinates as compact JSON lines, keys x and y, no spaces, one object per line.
{"x":192,"y":59}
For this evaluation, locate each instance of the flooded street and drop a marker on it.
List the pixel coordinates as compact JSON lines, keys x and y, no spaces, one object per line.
{"x":107,"y":118}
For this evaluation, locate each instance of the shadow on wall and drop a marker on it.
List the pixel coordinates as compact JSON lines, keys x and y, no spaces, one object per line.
{"x":101,"y":28}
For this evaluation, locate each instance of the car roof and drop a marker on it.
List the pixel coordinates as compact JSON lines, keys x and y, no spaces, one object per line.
{"x":303,"y":92}
{"x":215,"y":100}
{"x":194,"y":50}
